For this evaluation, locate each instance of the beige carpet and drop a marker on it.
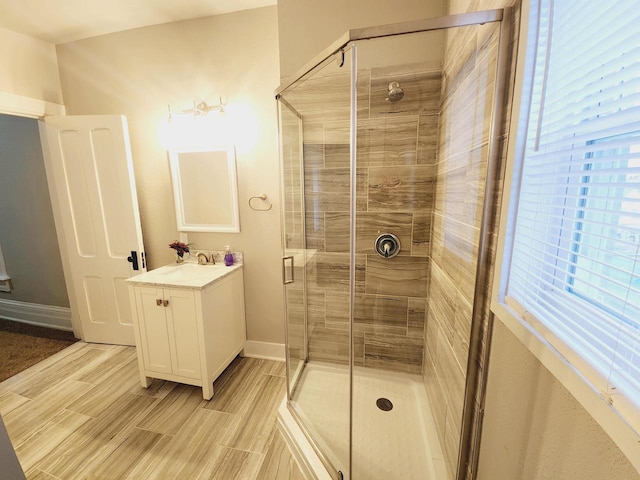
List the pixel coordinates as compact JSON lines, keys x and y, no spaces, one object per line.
{"x":23,"y":345}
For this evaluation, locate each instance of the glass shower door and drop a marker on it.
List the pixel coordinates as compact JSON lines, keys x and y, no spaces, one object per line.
{"x":315,"y":116}
{"x":293,"y":241}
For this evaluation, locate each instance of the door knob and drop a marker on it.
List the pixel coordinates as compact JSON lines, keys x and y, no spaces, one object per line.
{"x":133,"y":259}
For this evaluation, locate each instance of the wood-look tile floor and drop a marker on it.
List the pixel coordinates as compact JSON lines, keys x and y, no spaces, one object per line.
{"x":82,"y":414}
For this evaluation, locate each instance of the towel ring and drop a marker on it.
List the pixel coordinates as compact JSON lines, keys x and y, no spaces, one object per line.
{"x":263,"y":197}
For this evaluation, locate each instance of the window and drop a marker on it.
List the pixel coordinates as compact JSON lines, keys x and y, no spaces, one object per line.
{"x":574,"y":271}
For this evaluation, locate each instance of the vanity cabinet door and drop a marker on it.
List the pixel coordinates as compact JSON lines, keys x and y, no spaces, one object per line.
{"x":182,"y":321}
{"x":154,"y":331}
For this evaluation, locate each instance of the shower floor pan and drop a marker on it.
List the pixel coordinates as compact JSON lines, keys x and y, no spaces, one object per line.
{"x":397,"y":443}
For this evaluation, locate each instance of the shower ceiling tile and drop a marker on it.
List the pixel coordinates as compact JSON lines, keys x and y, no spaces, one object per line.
{"x":402,"y":189}
{"x":403,"y":276}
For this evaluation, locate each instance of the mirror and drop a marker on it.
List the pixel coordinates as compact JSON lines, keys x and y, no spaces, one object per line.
{"x":205,"y":190}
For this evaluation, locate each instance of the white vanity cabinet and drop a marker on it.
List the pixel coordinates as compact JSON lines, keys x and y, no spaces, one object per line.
{"x":188,"y":331}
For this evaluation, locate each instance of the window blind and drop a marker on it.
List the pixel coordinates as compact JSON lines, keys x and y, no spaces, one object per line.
{"x":575,"y":263}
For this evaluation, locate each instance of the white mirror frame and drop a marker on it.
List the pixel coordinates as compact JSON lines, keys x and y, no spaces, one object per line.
{"x":215,"y":171}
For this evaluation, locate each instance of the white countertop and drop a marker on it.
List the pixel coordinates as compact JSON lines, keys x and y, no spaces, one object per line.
{"x":184,"y":275}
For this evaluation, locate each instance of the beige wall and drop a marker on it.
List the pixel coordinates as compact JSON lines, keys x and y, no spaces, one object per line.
{"x":138,"y":72}
{"x":28,"y":67}
{"x":308,"y":27}
{"x":27,"y":230}
{"x":534,"y":429}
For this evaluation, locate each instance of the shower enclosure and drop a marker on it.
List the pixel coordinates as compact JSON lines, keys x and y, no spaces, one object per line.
{"x":389,"y":143}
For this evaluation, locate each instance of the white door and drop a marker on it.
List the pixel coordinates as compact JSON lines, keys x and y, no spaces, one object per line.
{"x":90,"y":175}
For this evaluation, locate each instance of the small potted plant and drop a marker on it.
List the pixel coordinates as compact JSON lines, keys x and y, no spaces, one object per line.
{"x":180,"y":248}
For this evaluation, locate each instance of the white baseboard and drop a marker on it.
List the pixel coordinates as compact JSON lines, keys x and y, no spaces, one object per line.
{"x":266,"y":350}
{"x":36,"y":314}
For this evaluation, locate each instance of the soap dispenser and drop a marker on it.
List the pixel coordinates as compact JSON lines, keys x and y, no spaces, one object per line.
{"x":228,"y":256}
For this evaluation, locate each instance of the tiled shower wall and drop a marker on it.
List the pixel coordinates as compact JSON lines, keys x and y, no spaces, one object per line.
{"x":396,"y":154}
{"x":465,"y":119}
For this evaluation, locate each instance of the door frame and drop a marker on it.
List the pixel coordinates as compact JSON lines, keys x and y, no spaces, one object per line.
{"x":20,"y":106}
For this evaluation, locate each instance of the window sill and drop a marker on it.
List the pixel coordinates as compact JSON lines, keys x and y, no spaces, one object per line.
{"x":623,"y":435}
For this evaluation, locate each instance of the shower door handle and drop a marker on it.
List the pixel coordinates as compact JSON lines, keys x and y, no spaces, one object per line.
{"x":284,"y":270}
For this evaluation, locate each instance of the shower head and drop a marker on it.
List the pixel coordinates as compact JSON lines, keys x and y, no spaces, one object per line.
{"x":395,"y":92}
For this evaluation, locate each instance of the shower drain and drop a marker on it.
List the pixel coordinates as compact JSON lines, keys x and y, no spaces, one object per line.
{"x":384,"y":404}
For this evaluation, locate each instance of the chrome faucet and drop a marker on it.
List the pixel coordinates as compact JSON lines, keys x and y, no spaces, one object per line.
{"x":204,"y":260}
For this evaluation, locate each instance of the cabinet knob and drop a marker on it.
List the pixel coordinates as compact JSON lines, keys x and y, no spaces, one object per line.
{"x":166,"y":303}
{"x":159,"y":302}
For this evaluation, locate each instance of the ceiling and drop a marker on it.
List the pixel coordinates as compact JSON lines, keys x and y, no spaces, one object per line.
{"x":62,"y":21}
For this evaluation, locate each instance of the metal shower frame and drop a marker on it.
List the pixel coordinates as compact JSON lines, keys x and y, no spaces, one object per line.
{"x":476,"y":377}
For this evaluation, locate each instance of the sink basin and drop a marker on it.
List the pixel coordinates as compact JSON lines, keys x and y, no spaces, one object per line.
{"x":187,"y":272}
{"x":184,"y":275}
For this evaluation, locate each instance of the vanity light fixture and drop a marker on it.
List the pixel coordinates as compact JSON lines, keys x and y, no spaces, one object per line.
{"x":200,"y":108}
